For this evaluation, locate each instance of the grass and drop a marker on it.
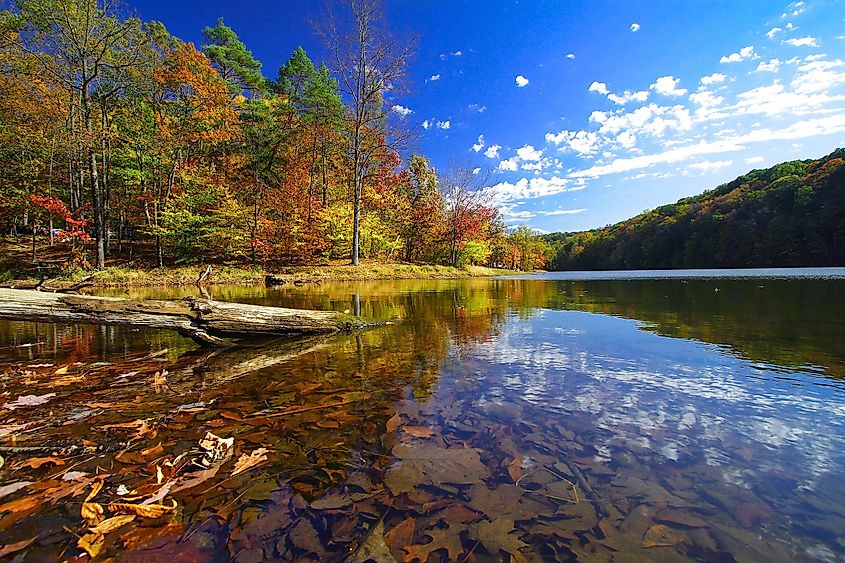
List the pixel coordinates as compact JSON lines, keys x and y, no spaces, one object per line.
{"x":17,"y":269}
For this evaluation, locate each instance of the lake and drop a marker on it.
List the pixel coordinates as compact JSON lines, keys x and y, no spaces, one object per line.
{"x":669,"y":416}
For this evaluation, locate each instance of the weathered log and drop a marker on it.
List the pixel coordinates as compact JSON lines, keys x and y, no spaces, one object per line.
{"x":206,"y":321}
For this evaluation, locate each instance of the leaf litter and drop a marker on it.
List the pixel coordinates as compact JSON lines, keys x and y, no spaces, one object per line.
{"x":158,"y":459}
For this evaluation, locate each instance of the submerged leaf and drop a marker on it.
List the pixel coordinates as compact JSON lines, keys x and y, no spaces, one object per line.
{"x":248,"y":461}
{"x":92,"y":543}
{"x":142,"y":510}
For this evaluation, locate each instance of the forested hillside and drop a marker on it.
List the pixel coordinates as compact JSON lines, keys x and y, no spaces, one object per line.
{"x":118,"y":139}
{"x":790,"y":215}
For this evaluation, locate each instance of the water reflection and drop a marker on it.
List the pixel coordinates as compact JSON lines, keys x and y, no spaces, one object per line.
{"x":690,"y":423}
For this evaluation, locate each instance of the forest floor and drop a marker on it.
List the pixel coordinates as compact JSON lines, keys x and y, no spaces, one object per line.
{"x":18,"y":269}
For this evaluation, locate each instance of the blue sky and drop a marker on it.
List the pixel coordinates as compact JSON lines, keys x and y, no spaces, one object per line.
{"x":588,"y":112}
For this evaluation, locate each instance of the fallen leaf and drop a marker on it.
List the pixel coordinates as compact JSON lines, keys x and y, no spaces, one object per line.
{"x":29,"y":401}
{"x":11,"y":548}
{"x":142,"y":510}
{"x":62,"y":370}
{"x":92,"y":513}
{"x":37,"y":462}
{"x":399,"y":536}
{"x":499,"y":535}
{"x":248,"y":461}
{"x":153,"y":451}
{"x":393,"y":423}
{"x":419,"y":431}
{"x":429,"y":464}
{"x":91,"y":544}
{"x":13,"y":487}
{"x":661,"y":535}
{"x":112,"y":524}
{"x":441,"y":538}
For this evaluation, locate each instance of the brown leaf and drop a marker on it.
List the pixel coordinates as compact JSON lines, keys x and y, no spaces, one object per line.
{"x":112,"y":524}
{"x":37,"y":462}
{"x":92,"y":544}
{"x":399,"y":536}
{"x":393,"y":422}
{"x":11,"y":548}
{"x":248,"y":461}
{"x":441,"y":538}
{"x":419,"y":431}
{"x":153,"y":452}
{"x":515,"y":468}
{"x":142,"y":510}
{"x":663,"y":536}
{"x":499,"y":535}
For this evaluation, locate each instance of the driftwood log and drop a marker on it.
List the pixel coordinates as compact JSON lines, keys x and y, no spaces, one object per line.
{"x":207,"y":322}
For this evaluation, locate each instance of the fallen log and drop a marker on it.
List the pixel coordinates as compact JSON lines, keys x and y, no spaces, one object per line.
{"x":204,"y":320}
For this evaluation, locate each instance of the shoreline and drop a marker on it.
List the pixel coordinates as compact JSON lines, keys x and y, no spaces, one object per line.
{"x":119,"y":276}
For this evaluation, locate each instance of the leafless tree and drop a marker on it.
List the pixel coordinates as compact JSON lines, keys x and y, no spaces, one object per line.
{"x":369,"y":62}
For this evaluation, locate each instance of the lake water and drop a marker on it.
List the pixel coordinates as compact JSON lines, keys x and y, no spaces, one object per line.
{"x":587,"y":416}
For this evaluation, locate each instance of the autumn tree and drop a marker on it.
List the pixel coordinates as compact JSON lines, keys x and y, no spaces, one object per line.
{"x":369,"y":62}
{"x":468,"y":210}
{"x":86,"y":46}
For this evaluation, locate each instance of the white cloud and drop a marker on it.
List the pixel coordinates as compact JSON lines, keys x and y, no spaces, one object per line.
{"x":444,"y":124}
{"x":650,"y":120}
{"x":772,"y":32}
{"x":710,"y":165}
{"x":562,"y":212}
{"x":818,"y":76}
{"x":492,"y":151}
{"x":476,"y":107}
{"x":529,"y":188}
{"x":529,"y":153}
{"x":511,"y":164}
{"x":521,"y":81}
{"x":458,"y":53}
{"x":628,"y":96}
{"x":479,"y":145}
{"x":434,"y":77}
{"x":772,"y":66}
{"x":754,"y":160}
{"x":714,"y":78}
{"x":635,"y":27}
{"x":828,"y":125}
{"x":427,"y":124}
{"x":570,"y":56}
{"x":476,"y":170}
{"x":627,"y":139}
{"x":599,"y":87}
{"x":584,"y":143}
{"x":706,"y":99}
{"x":668,"y":86}
{"x":401,"y":110}
{"x":808,"y":41}
{"x":741,"y":55}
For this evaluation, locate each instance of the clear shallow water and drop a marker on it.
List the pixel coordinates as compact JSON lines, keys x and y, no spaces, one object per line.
{"x":693,"y":424}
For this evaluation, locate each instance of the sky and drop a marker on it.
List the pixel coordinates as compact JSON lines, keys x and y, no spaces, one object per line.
{"x":586,"y":112}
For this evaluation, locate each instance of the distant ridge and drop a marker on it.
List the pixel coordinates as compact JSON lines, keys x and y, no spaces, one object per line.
{"x":789,"y":215}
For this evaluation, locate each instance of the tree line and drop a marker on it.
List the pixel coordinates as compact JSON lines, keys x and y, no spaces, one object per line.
{"x":789,"y":215}
{"x":119,"y":139}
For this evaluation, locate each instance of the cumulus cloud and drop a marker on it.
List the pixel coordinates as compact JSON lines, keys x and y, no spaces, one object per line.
{"x":772,"y":66}
{"x":741,"y":55}
{"x":510,"y":165}
{"x":477,"y":107}
{"x":628,"y":96}
{"x":635,"y":27}
{"x":714,"y":78}
{"x":583,"y":143}
{"x":521,"y":81}
{"x":668,"y":86}
{"x":529,"y":153}
{"x":444,"y":124}
{"x":570,"y":56}
{"x":529,"y":188}
{"x":427,"y":124}
{"x":476,"y":170}
{"x":479,"y":144}
{"x":401,"y":110}
{"x":599,"y":87}
{"x":808,"y":41}
{"x":434,"y":77}
{"x":492,"y":151}
{"x":458,"y":53}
